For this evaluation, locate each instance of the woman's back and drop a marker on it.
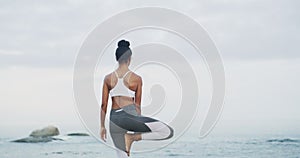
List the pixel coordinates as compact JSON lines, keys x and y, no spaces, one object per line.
{"x":123,"y":79}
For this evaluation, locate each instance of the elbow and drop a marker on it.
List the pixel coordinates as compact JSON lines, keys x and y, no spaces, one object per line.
{"x":103,"y":107}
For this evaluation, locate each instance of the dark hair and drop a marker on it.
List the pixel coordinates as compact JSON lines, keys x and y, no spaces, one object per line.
{"x":123,"y":52}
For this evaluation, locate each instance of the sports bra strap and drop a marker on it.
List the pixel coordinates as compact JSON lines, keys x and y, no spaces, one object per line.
{"x":123,"y":75}
{"x":116,"y":74}
{"x":126,"y":73}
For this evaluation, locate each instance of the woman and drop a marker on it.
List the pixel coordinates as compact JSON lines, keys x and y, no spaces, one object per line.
{"x":126,"y":122}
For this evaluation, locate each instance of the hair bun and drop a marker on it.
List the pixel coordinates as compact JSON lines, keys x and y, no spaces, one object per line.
{"x":123,"y":43}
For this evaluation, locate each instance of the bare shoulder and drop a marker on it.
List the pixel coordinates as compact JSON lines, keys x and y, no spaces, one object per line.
{"x":135,"y":77}
{"x":108,"y":77}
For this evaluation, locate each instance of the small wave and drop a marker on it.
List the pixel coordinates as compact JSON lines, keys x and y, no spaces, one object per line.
{"x":286,"y":140}
{"x":179,"y":155}
{"x":72,"y":153}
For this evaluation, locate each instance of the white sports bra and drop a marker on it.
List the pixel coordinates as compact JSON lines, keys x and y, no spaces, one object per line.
{"x":120,"y":89}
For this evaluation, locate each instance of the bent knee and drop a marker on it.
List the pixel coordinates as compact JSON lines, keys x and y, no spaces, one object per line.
{"x":167,"y":132}
{"x":171,"y":132}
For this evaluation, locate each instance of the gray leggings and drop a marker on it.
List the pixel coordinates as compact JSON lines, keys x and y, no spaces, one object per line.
{"x":126,"y":119}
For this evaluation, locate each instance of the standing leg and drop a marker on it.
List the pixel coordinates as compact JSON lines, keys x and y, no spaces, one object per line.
{"x":117,"y":134}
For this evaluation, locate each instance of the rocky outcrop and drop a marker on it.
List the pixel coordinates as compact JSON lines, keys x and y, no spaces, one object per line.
{"x":45,"y":132}
{"x":78,"y":134}
{"x":40,"y":135}
{"x":33,"y":140}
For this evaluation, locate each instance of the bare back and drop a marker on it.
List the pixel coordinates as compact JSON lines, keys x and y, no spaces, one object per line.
{"x":131,"y":81}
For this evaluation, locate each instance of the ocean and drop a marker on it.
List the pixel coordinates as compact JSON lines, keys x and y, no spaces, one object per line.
{"x":185,"y":147}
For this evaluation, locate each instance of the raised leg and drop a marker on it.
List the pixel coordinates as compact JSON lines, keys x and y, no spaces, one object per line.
{"x":159,"y":131}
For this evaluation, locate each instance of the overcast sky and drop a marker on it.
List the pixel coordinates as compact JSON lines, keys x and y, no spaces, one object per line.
{"x":258,"y":41}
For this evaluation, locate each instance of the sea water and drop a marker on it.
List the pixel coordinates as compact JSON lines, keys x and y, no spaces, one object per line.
{"x":185,"y":147}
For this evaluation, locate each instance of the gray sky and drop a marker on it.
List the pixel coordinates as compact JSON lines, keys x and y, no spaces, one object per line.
{"x":258,"y":41}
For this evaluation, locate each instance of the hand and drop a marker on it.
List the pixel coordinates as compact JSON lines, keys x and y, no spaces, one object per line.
{"x":103,"y":134}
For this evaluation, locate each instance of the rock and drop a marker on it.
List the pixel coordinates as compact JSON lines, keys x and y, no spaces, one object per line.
{"x":33,"y":140}
{"x":41,"y":135}
{"x":78,"y":134}
{"x":45,"y":132}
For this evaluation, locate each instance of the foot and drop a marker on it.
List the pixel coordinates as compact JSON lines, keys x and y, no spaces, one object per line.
{"x":129,"y":139}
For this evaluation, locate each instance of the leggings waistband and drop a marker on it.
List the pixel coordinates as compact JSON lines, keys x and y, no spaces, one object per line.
{"x":129,"y":109}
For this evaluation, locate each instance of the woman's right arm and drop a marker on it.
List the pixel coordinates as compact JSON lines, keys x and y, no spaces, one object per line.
{"x":138,"y":95}
{"x":105,"y":95}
